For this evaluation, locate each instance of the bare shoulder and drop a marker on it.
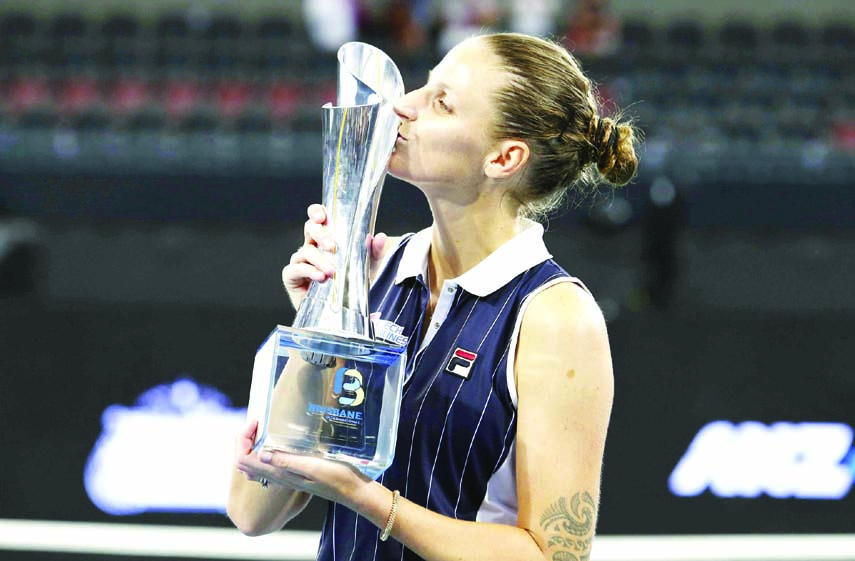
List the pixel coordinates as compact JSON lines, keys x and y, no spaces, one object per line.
{"x":563,"y":338}
{"x":562,"y":309}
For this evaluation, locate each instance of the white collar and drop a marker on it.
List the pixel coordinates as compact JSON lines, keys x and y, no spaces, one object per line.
{"x":517,"y":255}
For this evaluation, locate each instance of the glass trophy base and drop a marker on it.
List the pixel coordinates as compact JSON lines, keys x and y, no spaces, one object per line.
{"x":325,"y":395}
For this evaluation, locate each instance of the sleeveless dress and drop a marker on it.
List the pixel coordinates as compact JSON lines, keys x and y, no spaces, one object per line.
{"x":455,"y":447}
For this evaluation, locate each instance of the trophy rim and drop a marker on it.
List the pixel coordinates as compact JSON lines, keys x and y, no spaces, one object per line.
{"x":401,"y":90}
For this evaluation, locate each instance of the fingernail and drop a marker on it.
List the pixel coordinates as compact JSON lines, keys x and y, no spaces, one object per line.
{"x":265,"y":457}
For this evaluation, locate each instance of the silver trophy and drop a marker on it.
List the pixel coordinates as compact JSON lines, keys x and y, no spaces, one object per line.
{"x":325,"y":386}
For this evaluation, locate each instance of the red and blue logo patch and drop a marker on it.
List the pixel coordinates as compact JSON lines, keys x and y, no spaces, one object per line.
{"x":461,"y":363}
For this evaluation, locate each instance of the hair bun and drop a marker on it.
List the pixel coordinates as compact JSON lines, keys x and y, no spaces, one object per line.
{"x":614,"y":150}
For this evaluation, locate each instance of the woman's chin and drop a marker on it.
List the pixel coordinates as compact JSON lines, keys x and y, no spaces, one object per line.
{"x":396,"y":170}
{"x":399,"y":169}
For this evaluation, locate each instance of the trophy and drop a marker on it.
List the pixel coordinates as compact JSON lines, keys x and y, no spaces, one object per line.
{"x":326,"y":387}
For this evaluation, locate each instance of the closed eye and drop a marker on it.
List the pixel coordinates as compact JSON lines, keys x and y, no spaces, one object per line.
{"x":443,"y":105}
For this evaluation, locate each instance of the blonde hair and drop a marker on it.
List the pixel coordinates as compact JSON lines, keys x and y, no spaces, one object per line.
{"x":551,"y":105}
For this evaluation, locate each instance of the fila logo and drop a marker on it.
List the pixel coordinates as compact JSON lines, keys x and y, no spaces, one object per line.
{"x":461,"y":363}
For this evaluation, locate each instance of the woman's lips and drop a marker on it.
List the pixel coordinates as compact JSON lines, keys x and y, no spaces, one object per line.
{"x":398,"y":140}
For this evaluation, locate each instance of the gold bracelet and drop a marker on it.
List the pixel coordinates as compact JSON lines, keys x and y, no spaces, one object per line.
{"x":390,"y":522}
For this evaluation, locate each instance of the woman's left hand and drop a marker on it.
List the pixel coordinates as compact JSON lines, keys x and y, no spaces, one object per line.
{"x":335,"y":481}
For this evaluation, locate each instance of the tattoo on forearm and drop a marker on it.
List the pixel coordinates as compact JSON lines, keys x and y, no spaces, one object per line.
{"x":570,"y":529}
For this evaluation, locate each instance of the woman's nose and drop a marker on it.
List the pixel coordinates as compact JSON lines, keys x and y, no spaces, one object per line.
{"x":405,"y":108}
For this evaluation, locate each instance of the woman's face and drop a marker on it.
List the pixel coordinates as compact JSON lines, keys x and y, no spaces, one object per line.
{"x":446,"y":125}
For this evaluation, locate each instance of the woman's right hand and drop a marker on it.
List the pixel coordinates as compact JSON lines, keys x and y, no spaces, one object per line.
{"x":314,"y":261}
{"x":310,"y":263}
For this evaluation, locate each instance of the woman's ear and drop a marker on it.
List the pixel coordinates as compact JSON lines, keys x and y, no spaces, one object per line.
{"x":508,"y":158}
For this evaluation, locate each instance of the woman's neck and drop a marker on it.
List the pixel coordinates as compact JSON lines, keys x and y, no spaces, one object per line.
{"x":462,"y":236}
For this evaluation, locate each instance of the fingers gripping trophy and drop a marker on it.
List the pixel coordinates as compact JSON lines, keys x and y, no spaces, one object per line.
{"x":325,"y":386}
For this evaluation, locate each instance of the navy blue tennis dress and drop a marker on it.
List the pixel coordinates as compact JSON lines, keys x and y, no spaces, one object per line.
{"x":455,"y":448}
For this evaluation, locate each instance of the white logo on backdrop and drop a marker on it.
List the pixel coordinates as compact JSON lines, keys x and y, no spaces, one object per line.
{"x":171,"y":451}
{"x":782,"y":460}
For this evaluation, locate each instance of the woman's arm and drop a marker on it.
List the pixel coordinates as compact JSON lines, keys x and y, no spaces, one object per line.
{"x":565,"y":392}
{"x":257,"y":510}
{"x":565,"y":387}
{"x":254,"y":509}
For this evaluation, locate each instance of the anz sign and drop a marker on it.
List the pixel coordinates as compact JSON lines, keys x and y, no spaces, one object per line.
{"x":782,"y":460}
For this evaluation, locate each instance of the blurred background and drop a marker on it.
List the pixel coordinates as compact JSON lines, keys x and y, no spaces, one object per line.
{"x":156,"y":160}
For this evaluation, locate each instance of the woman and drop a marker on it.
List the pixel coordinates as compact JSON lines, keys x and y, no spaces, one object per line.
{"x":497,"y":458}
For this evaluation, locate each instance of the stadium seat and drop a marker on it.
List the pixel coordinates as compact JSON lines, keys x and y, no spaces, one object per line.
{"x":790,"y":34}
{"x":839,"y":35}
{"x":69,"y":25}
{"x":282,"y":49}
{"x":282,"y":99}
{"x":78,"y":95}
{"x":307,"y":119}
{"x":20,"y":43}
{"x":129,"y":95}
{"x":199,"y":120}
{"x":224,"y":27}
{"x":232,"y":98}
{"x":838,"y":40}
{"x":120,"y":49}
{"x":738,"y":42}
{"x":93,"y":119}
{"x":254,"y":120}
{"x":72,"y":47}
{"x":172,"y":26}
{"x":793,"y":42}
{"x":176,"y":49}
{"x":41,"y":117}
{"x":148,"y":118}
{"x":637,"y":35}
{"x":28,"y":92}
{"x":180,"y":97}
{"x":221,"y":45}
{"x":278,"y":28}
{"x":685,"y":36}
{"x":18,"y":25}
{"x":120,"y":26}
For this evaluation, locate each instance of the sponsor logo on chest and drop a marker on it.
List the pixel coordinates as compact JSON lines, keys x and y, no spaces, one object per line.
{"x":388,"y":331}
{"x":461,"y":363}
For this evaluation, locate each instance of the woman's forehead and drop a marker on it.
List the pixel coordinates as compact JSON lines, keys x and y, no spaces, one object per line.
{"x":469,"y":64}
